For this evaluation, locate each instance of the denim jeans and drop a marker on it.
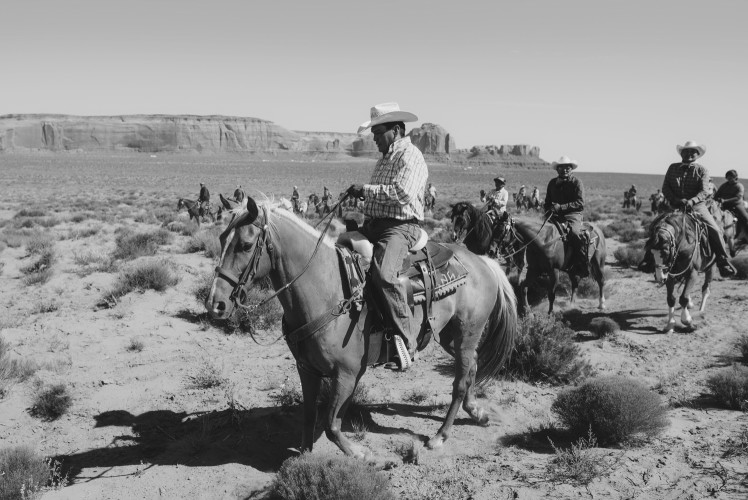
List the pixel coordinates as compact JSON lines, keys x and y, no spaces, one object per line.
{"x":716,"y":241}
{"x":392,"y":239}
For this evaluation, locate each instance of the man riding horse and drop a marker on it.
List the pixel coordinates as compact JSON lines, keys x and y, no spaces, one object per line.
{"x":203,"y":199}
{"x":686,"y":187}
{"x":295,"y":199}
{"x":564,"y":202}
{"x":730,"y":197}
{"x":392,"y":211}
{"x":497,"y":199}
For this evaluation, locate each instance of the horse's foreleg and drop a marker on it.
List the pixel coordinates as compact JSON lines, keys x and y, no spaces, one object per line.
{"x":552,"y":280}
{"x":574,"y":279}
{"x":342,"y":387}
{"x":685,"y":300}
{"x":523,"y":286}
{"x":310,"y":384}
{"x":463,"y":366}
{"x":469,"y":404}
{"x":670,"y":286}
{"x":705,"y":290}
{"x":598,"y":273}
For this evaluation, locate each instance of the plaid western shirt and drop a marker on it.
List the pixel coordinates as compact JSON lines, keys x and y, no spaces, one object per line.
{"x":397,"y":184}
{"x":686,"y":181}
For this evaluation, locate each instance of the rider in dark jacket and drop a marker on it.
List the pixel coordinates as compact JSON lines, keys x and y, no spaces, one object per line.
{"x":564,"y":199}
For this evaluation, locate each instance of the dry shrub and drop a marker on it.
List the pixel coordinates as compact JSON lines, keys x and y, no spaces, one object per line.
{"x":89,"y":257}
{"x":730,"y":387}
{"x":618,"y":227}
{"x":614,"y":409}
{"x":30,"y":212}
{"x":604,"y":327}
{"x":44,"y":261}
{"x":180,"y":227}
{"x":155,"y":275}
{"x":39,"y":244}
{"x":630,"y":255}
{"x":14,"y":238}
{"x":14,"y":369}
{"x":578,"y":465}
{"x":25,"y":474}
{"x":288,"y":395}
{"x":206,"y":377}
{"x":133,"y":245}
{"x":740,"y":264}
{"x":319,"y":477}
{"x":205,"y":240}
{"x":545,"y":351}
{"x":742,"y":344}
{"x":50,"y":402}
{"x":87,"y":232}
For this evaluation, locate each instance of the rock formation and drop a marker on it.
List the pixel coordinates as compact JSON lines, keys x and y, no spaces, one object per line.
{"x":226,"y":134}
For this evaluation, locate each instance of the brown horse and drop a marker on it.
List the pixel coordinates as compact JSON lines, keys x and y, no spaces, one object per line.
{"x":541,"y":246}
{"x":473,"y":226}
{"x":304,"y":267}
{"x":674,"y":242}
{"x":193,"y":210}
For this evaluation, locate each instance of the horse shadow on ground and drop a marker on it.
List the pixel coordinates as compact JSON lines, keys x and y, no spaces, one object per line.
{"x":628,"y":320}
{"x":262,"y":438}
{"x":544,"y":440}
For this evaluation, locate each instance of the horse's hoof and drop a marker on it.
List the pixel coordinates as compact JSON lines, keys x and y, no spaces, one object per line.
{"x":668,"y":331}
{"x":435,"y":443}
{"x":480,"y":417}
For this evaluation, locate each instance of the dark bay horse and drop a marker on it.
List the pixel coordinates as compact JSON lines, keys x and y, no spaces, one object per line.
{"x":539,"y":244}
{"x":194,"y":211}
{"x":473,"y":226}
{"x":267,"y":241}
{"x":674,"y":241}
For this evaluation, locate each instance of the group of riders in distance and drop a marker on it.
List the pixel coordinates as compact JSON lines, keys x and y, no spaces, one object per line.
{"x":387,"y":290}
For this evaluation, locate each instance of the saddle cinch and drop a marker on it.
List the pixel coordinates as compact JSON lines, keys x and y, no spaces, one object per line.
{"x":430,"y":272}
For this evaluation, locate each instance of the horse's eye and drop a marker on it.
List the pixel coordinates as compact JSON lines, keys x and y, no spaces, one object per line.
{"x":246,"y":246}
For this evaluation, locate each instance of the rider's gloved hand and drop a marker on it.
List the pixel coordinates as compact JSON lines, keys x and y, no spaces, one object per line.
{"x":356,"y":191}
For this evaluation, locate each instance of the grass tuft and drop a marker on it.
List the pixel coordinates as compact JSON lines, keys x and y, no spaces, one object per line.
{"x":132,"y":245}
{"x":25,"y":474}
{"x":604,"y":327}
{"x":319,"y":477}
{"x":615,"y":409}
{"x":155,"y":275}
{"x":630,"y":255}
{"x":50,"y":402}
{"x":578,"y":465}
{"x":730,"y":387}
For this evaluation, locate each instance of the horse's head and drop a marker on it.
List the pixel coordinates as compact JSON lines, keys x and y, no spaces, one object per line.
{"x":180,"y":203}
{"x":244,"y":258}
{"x":461,"y":219}
{"x":663,"y":246}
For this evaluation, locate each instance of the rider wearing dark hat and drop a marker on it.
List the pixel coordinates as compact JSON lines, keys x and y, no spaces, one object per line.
{"x":203,"y":198}
{"x":564,"y":201}
{"x":730,"y":197}
{"x":686,"y":186}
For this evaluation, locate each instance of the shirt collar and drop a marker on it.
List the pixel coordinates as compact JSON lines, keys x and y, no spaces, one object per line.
{"x":399,"y":145}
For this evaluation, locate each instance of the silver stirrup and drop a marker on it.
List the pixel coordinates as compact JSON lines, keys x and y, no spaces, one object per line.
{"x":402,"y":352}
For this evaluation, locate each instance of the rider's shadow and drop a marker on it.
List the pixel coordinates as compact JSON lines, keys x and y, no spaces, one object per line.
{"x":629,"y":320}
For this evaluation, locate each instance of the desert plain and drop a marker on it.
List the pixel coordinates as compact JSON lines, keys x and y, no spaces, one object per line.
{"x":165,"y":403}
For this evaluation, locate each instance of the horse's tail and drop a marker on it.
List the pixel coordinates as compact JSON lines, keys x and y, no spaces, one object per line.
{"x":501,"y":329}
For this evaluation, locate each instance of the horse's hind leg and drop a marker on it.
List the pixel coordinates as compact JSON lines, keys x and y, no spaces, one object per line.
{"x":462,"y":383}
{"x":685,"y":300}
{"x":310,"y":384}
{"x":469,"y":404}
{"x":341,"y":392}
{"x":598,"y":273}
{"x":670,"y":285}
{"x":574,"y":279}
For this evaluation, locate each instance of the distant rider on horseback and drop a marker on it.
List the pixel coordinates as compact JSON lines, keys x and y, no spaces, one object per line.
{"x":393,"y":207}
{"x":295,"y":199}
{"x":497,"y":199}
{"x":686,"y":186}
{"x":730,"y":197}
{"x":203,"y":199}
{"x":564,"y":202}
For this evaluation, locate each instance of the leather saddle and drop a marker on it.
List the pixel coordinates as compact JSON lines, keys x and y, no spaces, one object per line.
{"x":430,"y":272}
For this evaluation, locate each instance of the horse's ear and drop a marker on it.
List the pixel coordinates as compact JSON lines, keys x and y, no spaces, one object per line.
{"x":226,"y":204}
{"x":252,"y":208}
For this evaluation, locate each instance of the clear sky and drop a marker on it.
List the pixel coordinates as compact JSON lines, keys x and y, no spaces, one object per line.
{"x":613,"y":84}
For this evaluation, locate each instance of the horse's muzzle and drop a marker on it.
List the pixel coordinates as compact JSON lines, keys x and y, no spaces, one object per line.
{"x":218,"y":309}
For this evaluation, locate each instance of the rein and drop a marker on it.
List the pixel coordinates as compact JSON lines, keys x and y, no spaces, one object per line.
{"x":238,"y":294}
{"x":537,"y":235}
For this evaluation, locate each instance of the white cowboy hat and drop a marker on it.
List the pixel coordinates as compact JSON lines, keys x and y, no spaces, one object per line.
{"x":387,"y":112}
{"x":565,"y":160}
{"x":692,"y":145}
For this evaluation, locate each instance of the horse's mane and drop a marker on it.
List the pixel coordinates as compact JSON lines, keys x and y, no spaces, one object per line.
{"x":277,"y":209}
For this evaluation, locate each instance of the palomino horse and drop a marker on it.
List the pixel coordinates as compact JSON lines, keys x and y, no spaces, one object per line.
{"x":194,"y":211}
{"x":541,"y":246}
{"x":305,"y":272}
{"x":674,"y":242}
{"x":473,"y":226}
